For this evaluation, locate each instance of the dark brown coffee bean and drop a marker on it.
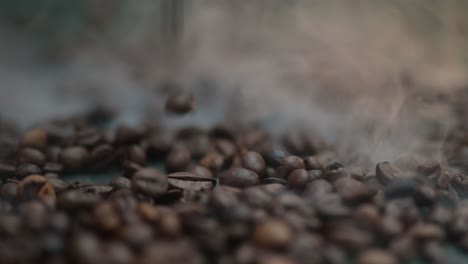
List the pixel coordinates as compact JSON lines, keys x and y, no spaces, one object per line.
{"x":33,"y":156}
{"x":226,"y":148}
{"x":239,"y":177}
{"x":36,"y":187}
{"x":53,"y":167}
{"x":333,"y":175}
{"x":275,"y":259}
{"x":51,"y":175}
{"x":102,"y":156}
{"x":171,"y":252}
{"x":7,"y":171}
{"x":136,"y":234}
{"x":74,"y":158}
{"x":272,"y":234}
{"x":159,"y":144}
{"x":313,"y":163}
{"x":387,"y":172}
{"x":353,"y":191}
{"x":254,"y":162}
{"x":105,"y":216}
{"x":178,"y":159}
{"x":117,"y":253}
{"x":390,"y":226}
{"x":180,"y":104}
{"x":329,"y":206}
{"x":367,"y":215}
{"x":58,"y":184}
{"x":403,"y":247}
{"x":129,"y":135}
{"x":190,"y":181}
{"x":76,"y":199}
{"x":273,"y":157}
{"x":288,"y":164}
{"x":202,"y":171}
{"x":120,"y":183}
{"x":376,"y":256}
{"x":24,"y":170}
{"x":136,"y":154}
{"x":298,"y":179}
{"x":130,"y":168}
{"x":426,"y":232}
{"x":317,"y":188}
{"x":271,"y":180}
{"x":88,"y":137}
{"x":34,"y":138}
{"x":8,"y":191}
{"x":150,"y":182}
{"x":213,"y":161}
{"x":85,"y":248}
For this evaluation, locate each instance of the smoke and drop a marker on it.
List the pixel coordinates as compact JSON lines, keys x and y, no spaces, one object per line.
{"x":360,"y":75}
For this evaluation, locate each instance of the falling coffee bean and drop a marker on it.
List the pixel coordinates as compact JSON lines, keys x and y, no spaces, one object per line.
{"x":180,"y":104}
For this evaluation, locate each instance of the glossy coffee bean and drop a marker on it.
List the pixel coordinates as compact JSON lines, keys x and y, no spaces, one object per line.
{"x":150,"y":182}
{"x":254,"y":162}
{"x":239,"y":177}
{"x":74,"y":158}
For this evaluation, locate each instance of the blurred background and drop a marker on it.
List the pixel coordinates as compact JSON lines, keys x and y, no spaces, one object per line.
{"x":369,"y":76}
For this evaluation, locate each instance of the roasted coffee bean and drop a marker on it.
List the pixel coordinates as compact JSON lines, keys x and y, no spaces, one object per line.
{"x":367,"y":215}
{"x":387,"y":172}
{"x":376,"y":256}
{"x":102,"y":156}
{"x":313,"y":163}
{"x":288,"y":164}
{"x":33,"y":156}
{"x":329,"y":206}
{"x":129,"y":135}
{"x":88,"y":137}
{"x":426,"y":232}
{"x":254,"y":162}
{"x":26,"y":169}
{"x":317,"y":188}
{"x":150,"y":182}
{"x":334,"y":174}
{"x":58,"y":184}
{"x":105,"y":216}
{"x":178,"y":159}
{"x":7,"y":171}
{"x":171,"y":252}
{"x":120,"y":183}
{"x":34,"y":138}
{"x":130,"y":168}
{"x":51,"y":175}
{"x":271,"y":180}
{"x":159,"y":144}
{"x":202,"y":171}
{"x":77,"y":199}
{"x":275,"y":259}
{"x":180,"y":104}
{"x":226,"y":148}
{"x":8,"y":190}
{"x":353,"y":191}
{"x":136,"y":154}
{"x":403,"y":247}
{"x":272,"y":234}
{"x":190,"y":181}
{"x":74,"y":158}
{"x":36,"y":187}
{"x":239,"y":177}
{"x":53,"y":167}
{"x":349,"y":236}
{"x":213,"y":161}
{"x":298,"y":179}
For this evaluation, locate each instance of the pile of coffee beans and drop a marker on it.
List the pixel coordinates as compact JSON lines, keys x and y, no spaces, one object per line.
{"x":229,"y":194}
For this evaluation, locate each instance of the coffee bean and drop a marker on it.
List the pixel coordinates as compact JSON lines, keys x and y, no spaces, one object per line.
{"x":254,"y":162}
{"x":120,"y":183}
{"x":271,"y":180}
{"x":226,"y":148}
{"x":74,"y":158}
{"x":190,"y":181}
{"x":387,"y":172}
{"x":272,"y":234}
{"x":202,"y":171}
{"x":36,"y":187}
{"x":426,"y":232}
{"x":313,"y":163}
{"x":7,"y":171}
{"x":53,"y":167}
{"x":317,"y":188}
{"x":298,"y":179}
{"x":275,"y":259}
{"x":150,"y":182}
{"x":376,"y":256}
{"x":129,"y":135}
{"x":334,"y":174}
{"x":171,"y":252}
{"x":24,"y":170}
{"x":33,"y":156}
{"x":403,"y":247}
{"x":77,"y":199}
{"x":102,"y":156}
{"x":159,"y":144}
{"x":180,"y":104}
{"x":105,"y":216}
{"x":178,"y":159}
{"x":136,"y":154}
{"x":8,"y":191}
{"x":350,"y":236}
{"x":34,"y":138}
{"x":239,"y":177}
{"x":58,"y":184}
{"x":130,"y":168}
{"x":288,"y":164}
{"x":213,"y":161}
{"x":88,"y":137}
